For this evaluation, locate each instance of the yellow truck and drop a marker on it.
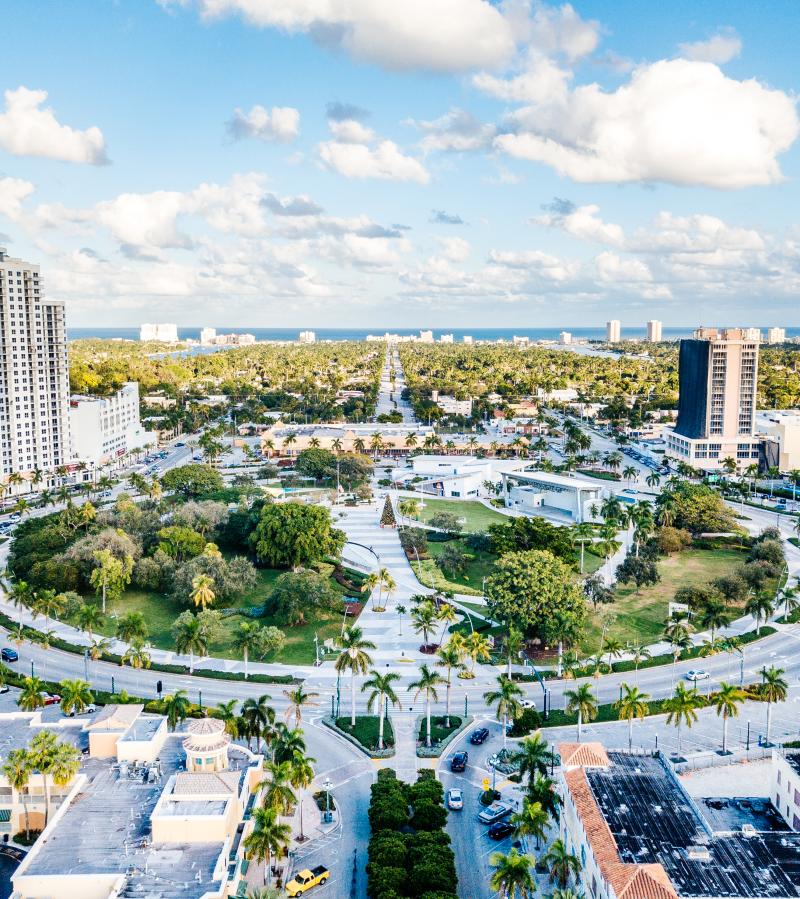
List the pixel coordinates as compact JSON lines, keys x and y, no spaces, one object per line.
{"x":304,"y":880}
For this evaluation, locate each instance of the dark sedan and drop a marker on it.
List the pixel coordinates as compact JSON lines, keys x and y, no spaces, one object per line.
{"x":9,"y":655}
{"x":459,"y":761}
{"x":481,"y":735}
{"x":500,"y":830}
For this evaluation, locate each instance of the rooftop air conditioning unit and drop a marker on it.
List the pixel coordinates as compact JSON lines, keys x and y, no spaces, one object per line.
{"x":699,"y":853}
{"x":748,"y":830}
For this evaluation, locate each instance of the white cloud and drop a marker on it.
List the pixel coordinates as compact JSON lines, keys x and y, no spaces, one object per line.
{"x":582,"y":222}
{"x":546,"y":265}
{"x":675,"y":121}
{"x":457,"y":130}
{"x":542,"y":81}
{"x":613,"y":268}
{"x":456,"y":249}
{"x":350,"y":131}
{"x":363,"y":155}
{"x":697,"y":233}
{"x":12,"y":193}
{"x":555,"y":30}
{"x":27,"y":128}
{"x":720,"y":48}
{"x":282,"y":123}
{"x":438,"y":35}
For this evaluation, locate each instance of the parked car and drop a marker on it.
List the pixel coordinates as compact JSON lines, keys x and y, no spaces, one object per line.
{"x":494,"y":812}
{"x":90,"y":709}
{"x":304,"y":880}
{"x":700,"y":674}
{"x":481,"y":735}
{"x":9,"y":655}
{"x":459,"y":761}
{"x":4,"y":688}
{"x":500,"y":830}
{"x":51,"y":699}
{"x":455,"y":800}
{"x":180,"y":443}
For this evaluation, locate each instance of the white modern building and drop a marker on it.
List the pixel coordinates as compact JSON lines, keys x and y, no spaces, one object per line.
{"x":753,"y":334}
{"x":208,"y":336}
{"x":166,"y":332}
{"x":564,"y":496}
{"x":467,"y":338}
{"x":781,"y":427}
{"x":34,"y":375}
{"x":776,"y":335}
{"x":308,"y":337}
{"x":565,"y":338}
{"x":613,"y":331}
{"x":654,"y":331}
{"x":450,"y":405}
{"x":454,"y":476}
{"x":426,"y":336}
{"x":446,"y":338}
{"x":106,"y":428}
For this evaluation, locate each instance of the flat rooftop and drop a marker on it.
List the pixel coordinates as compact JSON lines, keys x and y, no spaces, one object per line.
{"x":793,"y":758}
{"x":142,"y":730}
{"x":653,"y":820}
{"x":106,"y":829}
{"x":17,"y":732}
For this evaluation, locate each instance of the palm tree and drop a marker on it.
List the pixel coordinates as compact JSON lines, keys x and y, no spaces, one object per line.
{"x":269,"y":837}
{"x":298,"y":700}
{"x":389,"y":584}
{"x":31,"y":696}
{"x":136,"y":654}
{"x":450,"y":657}
{"x":512,"y":876}
{"x":131,"y":626}
{"x":560,"y":863}
{"x":476,"y":647}
{"x":426,"y":683}
{"x":248,"y":638}
{"x":258,"y":716}
{"x":301,"y":773}
{"x":226,"y":711}
{"x":532,"y":821}
{"x":726,"y":701}
{"x":176,"y":707}
{"x":533,"y":756}
{"x":202,"y":594}
{"x":681,"y":708}
{"x":355,"y":659}
{"x":278,"y":788}
{"x":371,"y":583}
{"x":613,"y":647}
{"x":59,"y":761}
{"x":381,"y":690}
{"x":424,"y":618}
{"x":773,"y":689}
{"x":17,"y":771}
{"x":515,"y":641}
{"x":89,"y":618}
{"x":676,"y":632}
{"x":191,"y":636}
{"x":582,"y":534}
{"x":506,"y":698}
{"x":285,"y":742}
{"x":713,"y":616}
{"x":758,"y":606}
{"x":543,"y":790}
{"x":447,"y":615}
{"x":640,"y":654}
{"x":581,"y":700}
{"x":20,"y":594}
{"x":653,"y":479}
{"x":401,"y":610}
{"x":76,"y":695}
{"x":632,"y":704}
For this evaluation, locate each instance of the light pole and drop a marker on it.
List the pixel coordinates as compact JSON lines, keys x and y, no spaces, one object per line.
{"x":316,"y":650}
{"x":327,"y":787}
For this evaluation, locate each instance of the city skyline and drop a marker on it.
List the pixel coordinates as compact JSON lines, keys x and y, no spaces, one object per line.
{"x":317,"y":171}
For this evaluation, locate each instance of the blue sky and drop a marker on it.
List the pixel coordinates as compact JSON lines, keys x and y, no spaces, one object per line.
{"x":436,"y":162}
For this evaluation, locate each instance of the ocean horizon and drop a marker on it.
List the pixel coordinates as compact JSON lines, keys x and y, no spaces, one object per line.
{"x":293,"y":334}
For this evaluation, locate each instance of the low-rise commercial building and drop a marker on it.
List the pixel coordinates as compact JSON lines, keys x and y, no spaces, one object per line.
{"x":104,"y":429}
{"x":145,"y":826}
{"x":454,"y":476}
{"x":566,"y":496}
{"x":781,"y":428}
{"x":450,"y":405}
{"x":639,"y":835}
{"x":395,"y":439}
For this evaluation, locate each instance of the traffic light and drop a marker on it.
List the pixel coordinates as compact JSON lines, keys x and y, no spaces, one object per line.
{"x":159,"y":687}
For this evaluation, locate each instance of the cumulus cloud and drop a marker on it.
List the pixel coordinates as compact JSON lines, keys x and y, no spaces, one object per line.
{"x":457,"y":130}
{"x":542,"y":81}
{"x":720,"y":48}
{"x":675,"y":121}
{"x":339,"y":112}
{"x":293,"y":206}
{"x":13,"y":191}
{"x":281,"y":123}
{"x":611,"y":267}
{"x":582,"y":222}
{"x":357,"y":152}
{"x":28,"y":128}
{"x":456,"y":249}
{"x":440,"y":217}
{"x":437,"y":35}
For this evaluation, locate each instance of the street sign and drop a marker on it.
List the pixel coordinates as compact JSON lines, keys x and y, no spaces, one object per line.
{"x":485,"y":784}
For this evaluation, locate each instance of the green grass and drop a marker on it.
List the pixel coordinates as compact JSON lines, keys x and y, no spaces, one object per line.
{"x":640,"y":617}
{"x":161,"y":611}
{"x":477,"y":517}
{"x":366,"y":730}
{"x":439,"y":731}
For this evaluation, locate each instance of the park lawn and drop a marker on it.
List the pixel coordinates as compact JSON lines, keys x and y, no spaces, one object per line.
{"x":480,"y":564}
{"x":639,"y":618}
{"x":160,"y":612}
{"x":439,"y":730}
{"x":475,"y":515}
{"x":366,"y":729}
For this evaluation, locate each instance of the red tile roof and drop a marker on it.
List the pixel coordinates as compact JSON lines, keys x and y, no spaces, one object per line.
{"x":589,"y":755}
{"x":629,"y":881}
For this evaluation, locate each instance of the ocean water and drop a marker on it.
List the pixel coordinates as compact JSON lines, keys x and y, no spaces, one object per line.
{"x":598,"y":333}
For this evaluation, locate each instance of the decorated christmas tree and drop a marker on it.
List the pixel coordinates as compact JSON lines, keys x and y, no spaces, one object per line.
{"x":387,"y":516}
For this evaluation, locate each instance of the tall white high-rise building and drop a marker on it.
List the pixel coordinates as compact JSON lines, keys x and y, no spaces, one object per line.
{"x":34,"y":376}
{"x":307,"y":337}
{"x":613,"y":331}
{"x":565,"y":337}
{"x":776,"y":335}
{"x":208,"y":336}
{"x":166,"y":332}
{"x":654,"y":331}
{"x":753,"y":334}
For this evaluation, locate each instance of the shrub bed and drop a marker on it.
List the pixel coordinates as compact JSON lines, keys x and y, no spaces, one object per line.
{"x":365,"y":734}
{"x":409,"y":851}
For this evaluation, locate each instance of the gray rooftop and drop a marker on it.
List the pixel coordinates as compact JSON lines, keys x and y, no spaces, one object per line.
{"x":106,"y":829}
{"x":143,"y":729}
{"x":17,"y":733}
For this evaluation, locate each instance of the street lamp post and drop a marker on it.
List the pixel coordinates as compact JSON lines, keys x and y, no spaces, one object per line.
{"x":327,"y":787}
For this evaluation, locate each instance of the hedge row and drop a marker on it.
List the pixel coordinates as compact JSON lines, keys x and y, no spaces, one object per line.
{"x":409,"y":851}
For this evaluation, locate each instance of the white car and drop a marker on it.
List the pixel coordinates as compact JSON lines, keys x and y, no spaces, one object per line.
{"x":527,"y":703}
{"x":90,"y":709}
{"x":455,"y":800}
{"x":693,"y":675}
